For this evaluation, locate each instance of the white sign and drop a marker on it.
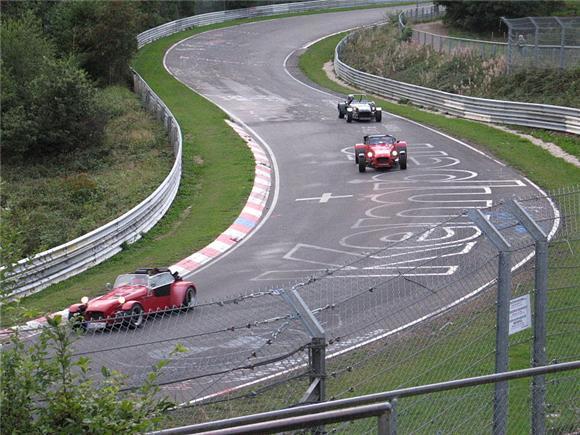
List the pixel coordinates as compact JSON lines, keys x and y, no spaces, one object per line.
{"x":520,"y":314}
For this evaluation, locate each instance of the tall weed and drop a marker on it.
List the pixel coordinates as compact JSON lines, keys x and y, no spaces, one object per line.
{"x":380,"y":51}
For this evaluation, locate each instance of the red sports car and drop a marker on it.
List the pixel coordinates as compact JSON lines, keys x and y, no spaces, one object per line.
{"x":380,"y":151}
{"x":132,"y":297}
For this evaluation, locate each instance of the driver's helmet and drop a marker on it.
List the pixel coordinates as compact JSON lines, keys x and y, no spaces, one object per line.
{"x":350,"y":98}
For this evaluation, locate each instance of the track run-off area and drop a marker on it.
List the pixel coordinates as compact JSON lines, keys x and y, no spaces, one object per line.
{"x":367,"y":229}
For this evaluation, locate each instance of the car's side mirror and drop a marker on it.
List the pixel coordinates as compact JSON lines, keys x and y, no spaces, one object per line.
{"x":109,"y":286}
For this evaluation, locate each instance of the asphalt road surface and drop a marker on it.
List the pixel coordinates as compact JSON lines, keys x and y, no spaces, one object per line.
{"x":323,"y":201}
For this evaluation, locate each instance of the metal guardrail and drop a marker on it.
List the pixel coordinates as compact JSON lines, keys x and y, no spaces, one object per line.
{"x":544,"y":116}
{"x":235,"y":14}
{"x":57,"y":264}
{"x":272,"y":419}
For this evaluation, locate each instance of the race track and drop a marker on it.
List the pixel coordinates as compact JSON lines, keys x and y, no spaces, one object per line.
{"x":322,"y":214}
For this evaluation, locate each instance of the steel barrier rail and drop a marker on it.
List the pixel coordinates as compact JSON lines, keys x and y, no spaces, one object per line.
{"x":260,"y":11}
{"x":34,"y":274}
{"x":59,"y":263}
{"x":548,"y":117}
{"x":368,"y":399}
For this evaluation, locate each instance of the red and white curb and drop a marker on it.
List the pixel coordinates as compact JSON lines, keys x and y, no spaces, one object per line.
{"x":246,"y":221}
{"x":242,"y":226}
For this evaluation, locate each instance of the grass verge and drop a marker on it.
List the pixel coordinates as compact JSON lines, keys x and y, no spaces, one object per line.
{"x":537,"y":164}
{"x":207,"y":202}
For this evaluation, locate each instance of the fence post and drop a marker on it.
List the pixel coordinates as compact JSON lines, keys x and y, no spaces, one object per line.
{"x":540,"y":307}
{"x":393,"y":417}
{"x":316,"y":392}
{"x":504,"y":284}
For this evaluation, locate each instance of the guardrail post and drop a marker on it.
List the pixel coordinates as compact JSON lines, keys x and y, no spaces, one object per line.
{"x":540,"y":306}
{"x":504,"y":284}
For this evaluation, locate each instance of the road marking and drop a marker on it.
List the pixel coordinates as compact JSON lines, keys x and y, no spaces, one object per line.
{"x":324,"y":198}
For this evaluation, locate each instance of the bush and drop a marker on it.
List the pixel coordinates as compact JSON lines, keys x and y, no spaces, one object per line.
{"x":44,"y":389}
{"x":406,"y":34}
{"x":101,"y":35}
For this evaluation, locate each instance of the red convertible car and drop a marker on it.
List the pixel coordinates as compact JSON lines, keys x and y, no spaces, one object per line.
{"x":380,"y":151}
{"x":132,"y":297}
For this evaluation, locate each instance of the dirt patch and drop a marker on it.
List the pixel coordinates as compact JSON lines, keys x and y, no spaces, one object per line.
{"x":436,"y":27}
{"x":329,"y":70}
{"x":553,"y":149}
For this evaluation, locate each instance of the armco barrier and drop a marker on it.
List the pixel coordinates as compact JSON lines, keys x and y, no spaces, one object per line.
{"x":59,"y":263}
{"x":548,"y":117}
{"x":258,"y":11}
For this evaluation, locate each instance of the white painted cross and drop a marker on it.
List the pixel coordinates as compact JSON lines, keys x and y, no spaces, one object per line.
{"x":324,"y":198}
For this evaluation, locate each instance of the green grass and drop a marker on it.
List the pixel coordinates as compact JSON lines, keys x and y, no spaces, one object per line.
{"x":537,"y":164}
{"x":207,"y":202}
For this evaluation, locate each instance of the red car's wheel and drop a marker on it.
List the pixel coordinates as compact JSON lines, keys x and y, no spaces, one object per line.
{"x":403,"y":161}
{"x":135,"y":317}
{"x":189,"y":299}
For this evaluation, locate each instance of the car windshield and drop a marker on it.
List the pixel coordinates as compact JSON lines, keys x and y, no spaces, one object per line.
{"x":388,"y":140}
{"x":132,"y":279}
{"x":361,"y":99}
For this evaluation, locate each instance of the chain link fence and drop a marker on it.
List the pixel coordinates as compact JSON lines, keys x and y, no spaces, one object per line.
{"x":408,"y":312}
{"x":543,"y":42}
{"x":532,"y":42}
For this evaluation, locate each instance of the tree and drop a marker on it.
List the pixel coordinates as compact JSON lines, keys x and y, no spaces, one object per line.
{"x":48,"y":104}
{"x":44,"y":389}
{"x":481,"y":16}
{"x":101,"y":35}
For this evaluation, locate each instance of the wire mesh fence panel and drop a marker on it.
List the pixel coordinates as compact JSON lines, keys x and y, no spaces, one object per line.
{"x":459,"y":341}
{"x":543,"y":42}
{"x":470,"y":409}
{"x":397,"y":312}
{"x":227,"y":344}
{"x":561,"y":410}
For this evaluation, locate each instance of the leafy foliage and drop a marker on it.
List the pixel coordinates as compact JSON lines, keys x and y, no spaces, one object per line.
{"x":45,"y":389}
{"x":102,"y":35}
{"x":48,"y":103}
{"x":480,"y":16}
